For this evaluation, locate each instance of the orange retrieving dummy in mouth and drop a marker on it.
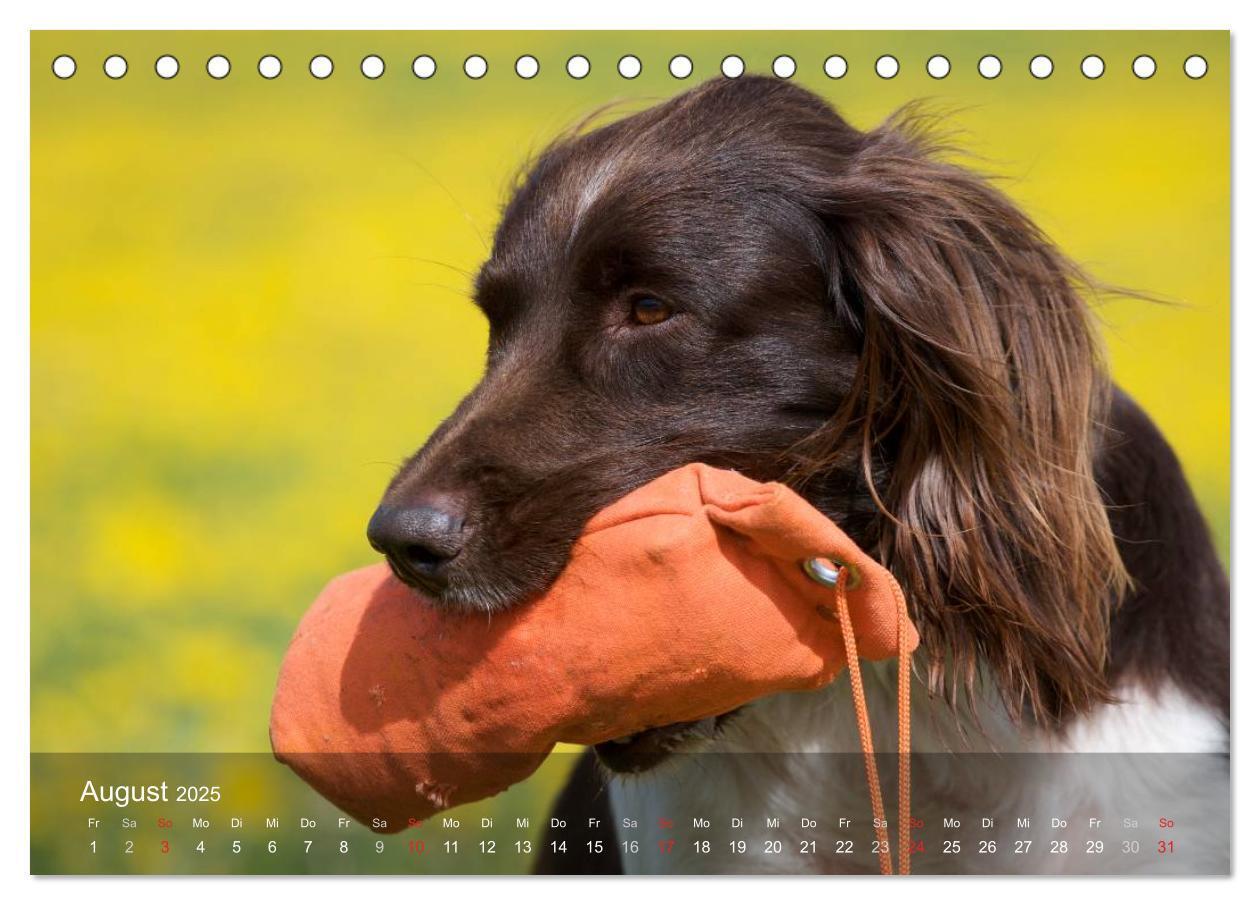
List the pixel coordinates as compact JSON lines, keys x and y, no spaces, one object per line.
{"x":683,"y":600}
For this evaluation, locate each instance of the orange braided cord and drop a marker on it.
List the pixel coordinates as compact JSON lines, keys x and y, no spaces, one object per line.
{"x":863,"y":722}
{"x":864,"y":730}
{"x":903,"y":734}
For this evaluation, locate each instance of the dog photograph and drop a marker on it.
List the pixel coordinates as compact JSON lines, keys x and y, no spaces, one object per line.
{"x":691,"y":453}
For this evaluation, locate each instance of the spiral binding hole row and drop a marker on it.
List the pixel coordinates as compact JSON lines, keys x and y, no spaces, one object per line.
{"x":629,"y":66}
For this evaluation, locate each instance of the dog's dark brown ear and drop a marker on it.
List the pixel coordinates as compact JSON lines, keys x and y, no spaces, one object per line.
{"x":973,"y":415}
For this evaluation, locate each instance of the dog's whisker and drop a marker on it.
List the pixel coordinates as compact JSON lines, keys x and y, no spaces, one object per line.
{"x":464,"y":213}
{"x":470,"y":275}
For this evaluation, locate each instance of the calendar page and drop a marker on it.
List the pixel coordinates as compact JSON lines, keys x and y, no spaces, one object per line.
{"x":432,"y":311}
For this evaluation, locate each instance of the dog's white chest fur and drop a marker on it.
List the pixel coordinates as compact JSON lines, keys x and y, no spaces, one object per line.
{"x":745,"y":774}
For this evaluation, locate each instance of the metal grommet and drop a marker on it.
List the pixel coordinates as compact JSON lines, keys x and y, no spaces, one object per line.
{"x":826,"y":571}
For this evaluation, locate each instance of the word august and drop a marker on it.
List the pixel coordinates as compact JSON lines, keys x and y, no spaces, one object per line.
{"x":124,"y":795}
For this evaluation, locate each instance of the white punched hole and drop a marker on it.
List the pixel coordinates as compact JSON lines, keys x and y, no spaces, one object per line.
{"x":1195,"y":66}
{"x":372,"y":66}
{"x":629,"y":66}
{"x":938,"y":66}
{"x":1092,"y":67}
{"x":990,"y":66}
{"x":680,"y":66}
{"x":64,"y":66}
{"x":783,"y":66}
{"x":732,"y":66}
{"x":835,"y":66}
{"x":269,"y":66}
{"x":115,"y":66}
{"x":578,"y":66}
{"x":527,"y":66}
{"x":166,"y":66}
{"x":1144,"y":66}
{"x":1041,"y":66}
{"x":887,"y":67}
{"x":321,"y":66}
{"x":423,"y":66}
{"x":476,"y":66}
{"x":218,"y":66}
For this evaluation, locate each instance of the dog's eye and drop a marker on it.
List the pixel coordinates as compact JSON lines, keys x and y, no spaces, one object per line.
{"x":647,"y":310}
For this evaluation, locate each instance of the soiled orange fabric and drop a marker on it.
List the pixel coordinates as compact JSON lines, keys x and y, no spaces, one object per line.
{"x":683,"y":600}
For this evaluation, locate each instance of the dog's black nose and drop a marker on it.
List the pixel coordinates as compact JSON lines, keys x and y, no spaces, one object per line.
{"x":419,"y":540}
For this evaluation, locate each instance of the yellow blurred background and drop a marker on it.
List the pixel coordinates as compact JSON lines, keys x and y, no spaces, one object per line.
{"x":249,"y":302}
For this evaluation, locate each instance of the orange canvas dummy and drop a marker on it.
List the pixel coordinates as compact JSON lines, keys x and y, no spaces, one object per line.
{"x":683,"y":600}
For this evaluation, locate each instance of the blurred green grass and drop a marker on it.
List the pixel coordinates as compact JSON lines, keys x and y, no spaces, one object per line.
{"x":248,"y":304}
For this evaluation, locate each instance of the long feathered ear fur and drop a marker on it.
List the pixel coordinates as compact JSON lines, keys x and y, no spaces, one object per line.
{"x":973,"y":419}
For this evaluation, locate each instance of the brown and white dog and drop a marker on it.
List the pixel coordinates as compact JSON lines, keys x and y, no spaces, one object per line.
{"x":739,"y":277}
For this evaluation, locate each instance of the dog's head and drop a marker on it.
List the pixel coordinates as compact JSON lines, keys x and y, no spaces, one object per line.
{"x":739,"y":277}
